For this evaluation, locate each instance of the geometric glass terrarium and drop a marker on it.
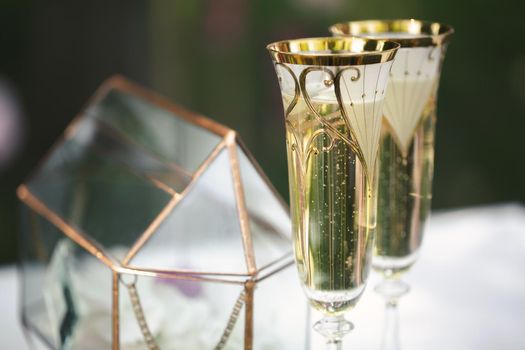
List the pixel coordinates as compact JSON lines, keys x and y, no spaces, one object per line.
{"x":149,"y":227}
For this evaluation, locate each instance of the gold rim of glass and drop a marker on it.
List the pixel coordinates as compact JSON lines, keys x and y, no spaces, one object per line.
{"x":421,"y":33}
{"x":333,"y":51}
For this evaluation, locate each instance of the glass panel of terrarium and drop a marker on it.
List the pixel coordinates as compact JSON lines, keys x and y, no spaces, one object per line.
{"x":280,"y":312}
{"x":108,"y":142}
{"x":158,"y":130}
{"x":270,"y":224}
{"x":43,"y":305}
{"x":202,"y":233}
{"x":66,"y":290}
{"x":91,"y":291}
{"x":179,"y":314}
{"x":88,"y":184}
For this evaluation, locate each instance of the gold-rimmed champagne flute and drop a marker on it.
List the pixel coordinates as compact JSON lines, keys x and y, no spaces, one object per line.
{"x":406,"y":156}
{"x":333,"y":90}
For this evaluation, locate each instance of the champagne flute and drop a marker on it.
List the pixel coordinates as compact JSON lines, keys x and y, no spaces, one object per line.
{"x":333,"y":90}
{"x":406,"y":156}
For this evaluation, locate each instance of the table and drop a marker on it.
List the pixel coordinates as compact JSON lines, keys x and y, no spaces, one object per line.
{"x":11,"y":335}
{"x":468,"y":288}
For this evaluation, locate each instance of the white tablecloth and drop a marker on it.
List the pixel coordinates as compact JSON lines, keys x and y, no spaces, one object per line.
{"x":468,"y":288}
{"x":11,"y":336}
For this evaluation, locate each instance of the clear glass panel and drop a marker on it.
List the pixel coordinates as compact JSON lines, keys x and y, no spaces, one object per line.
{"x":157,"y":130}
{"x":92,"y":285}
{"x":280,"y":312}
{"x":270,"y":224}
{"x":92,"y":184}
{"x":39,"y":239}
{"x":66,"y":291}
{"x":179,"y":314}
{"x":203,"y":232}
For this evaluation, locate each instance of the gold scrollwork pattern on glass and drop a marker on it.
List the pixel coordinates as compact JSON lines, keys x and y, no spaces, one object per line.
{"x":328,"y":129}
{"x":329,"y":189}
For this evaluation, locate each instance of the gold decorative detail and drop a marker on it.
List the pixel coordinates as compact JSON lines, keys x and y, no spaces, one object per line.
{"x":407,"y":98}
{"x":419,"y":34}
{"x":311,"y":149}
{"x":297,"y":91}
{"x":346,"y":117}
{"x":321,"y":53}
{"x":422,"y":33}
{"x":328,"y":129}
{"x":333,"y":51}
{"x":431,"y":55}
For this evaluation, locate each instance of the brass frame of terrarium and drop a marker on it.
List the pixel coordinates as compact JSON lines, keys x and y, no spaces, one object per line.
{"x":229,"y":141}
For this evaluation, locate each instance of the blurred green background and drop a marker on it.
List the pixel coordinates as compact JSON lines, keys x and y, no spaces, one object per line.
{"x":210,"y":56}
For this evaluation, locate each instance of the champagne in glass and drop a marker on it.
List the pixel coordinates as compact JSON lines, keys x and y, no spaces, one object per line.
{"x":406,"y":156}
{"x":333,"y":90}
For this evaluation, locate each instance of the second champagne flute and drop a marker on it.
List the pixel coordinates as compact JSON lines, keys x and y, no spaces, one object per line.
{"x":406,"y":157}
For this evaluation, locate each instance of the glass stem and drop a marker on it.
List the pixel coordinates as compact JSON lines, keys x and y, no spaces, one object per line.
{"x":390,"y":340}
{"x":392,"y":289}
{"x":334,"y":345}
{"x":333,"y":329}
